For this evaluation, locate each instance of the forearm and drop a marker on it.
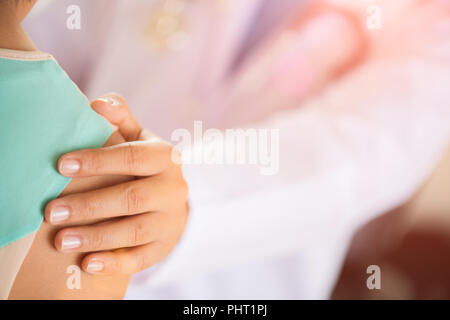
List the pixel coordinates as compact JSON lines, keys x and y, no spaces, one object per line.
{"x":12,"y":257}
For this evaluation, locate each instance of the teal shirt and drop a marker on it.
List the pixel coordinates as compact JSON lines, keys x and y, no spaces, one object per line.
{"x":42,"y":116}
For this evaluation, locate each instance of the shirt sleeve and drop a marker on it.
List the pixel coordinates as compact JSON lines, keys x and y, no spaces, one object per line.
{"x":343,"y":159}
{"x":42,"y":116}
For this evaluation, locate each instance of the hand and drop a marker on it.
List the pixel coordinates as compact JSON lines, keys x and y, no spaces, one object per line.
{"x":141,"y":220}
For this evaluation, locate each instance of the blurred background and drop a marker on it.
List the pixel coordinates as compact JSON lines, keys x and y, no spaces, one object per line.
{"x":359,"y":90}
{"x":411,"y":244}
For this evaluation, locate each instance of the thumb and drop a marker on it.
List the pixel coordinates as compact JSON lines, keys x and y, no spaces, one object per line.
{"x":114,"y":108}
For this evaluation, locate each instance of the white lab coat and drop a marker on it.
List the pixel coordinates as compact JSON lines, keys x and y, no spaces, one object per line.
{"x":341,"y":164}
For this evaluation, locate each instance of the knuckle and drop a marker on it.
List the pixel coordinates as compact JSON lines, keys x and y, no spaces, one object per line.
{"x":86,"y":208}
{"x":131,"y":199}
{"x":133,"y":156}
{"x":96,"y":240}
{"x":137,"y":234}
{"x":91,"y":162}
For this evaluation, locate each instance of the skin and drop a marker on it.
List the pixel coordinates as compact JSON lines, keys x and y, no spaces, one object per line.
{"x":127,"y":203}
{"x":12,"y":36}
{"x":148,"y":215}
{"x":140,"y":160}
{"x":123,"y":245}
{"x":44,"y":272}
{"x":137,"y":219}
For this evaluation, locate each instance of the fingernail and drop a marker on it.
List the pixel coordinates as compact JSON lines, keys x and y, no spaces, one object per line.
{"x":95,"y":266}
{"x":70,"y":242}
{"x":59,"y":214}
{"x":109,"y":100}
{"x":69,"y":166}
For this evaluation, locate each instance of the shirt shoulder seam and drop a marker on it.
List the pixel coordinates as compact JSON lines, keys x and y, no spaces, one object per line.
{"x":25,"y":55}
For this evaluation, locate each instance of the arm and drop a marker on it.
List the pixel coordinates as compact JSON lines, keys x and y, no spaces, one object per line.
{"x":145,"y":216}
{"x":44,"y":272}
{"x":14,"y":253}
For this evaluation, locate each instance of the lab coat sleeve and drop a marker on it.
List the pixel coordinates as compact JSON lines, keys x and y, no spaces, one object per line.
{"x":344,"y":158}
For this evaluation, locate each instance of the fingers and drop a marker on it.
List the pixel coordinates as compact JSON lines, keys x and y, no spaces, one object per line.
{"x":138,"y":158}
{"x":127,"y":232}
{"x":124,"y":261}
{"x":151,"y":194}
{"x":133,"y":259}
{"x":115,"y":109}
